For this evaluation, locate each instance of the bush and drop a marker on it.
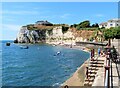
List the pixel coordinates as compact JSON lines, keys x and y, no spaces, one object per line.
{"x":84,"y":24}
{"x":112,"y":33}
{"x":95,"y":25}
{"x":64,"y":29}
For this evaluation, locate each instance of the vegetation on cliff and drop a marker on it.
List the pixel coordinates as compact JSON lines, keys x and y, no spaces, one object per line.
{"x":111,"y":33}
{"x":85,"y":25}
{"x":65,"y":27}
{"x":84,"y":30}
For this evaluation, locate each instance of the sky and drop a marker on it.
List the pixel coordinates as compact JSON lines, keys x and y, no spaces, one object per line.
{"x":17,"y":14}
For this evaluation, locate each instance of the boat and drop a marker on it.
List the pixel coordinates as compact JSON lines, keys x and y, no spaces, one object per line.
{"x":54,"y":45}
{"x":8,"y":44}
{"x":24,"y":47}
{"x":57,"y":53}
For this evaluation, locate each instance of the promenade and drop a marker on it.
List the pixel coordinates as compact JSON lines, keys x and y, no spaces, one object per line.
{"x":98,"y":71}
{"x":96,"y":74}
{"x":114,"y":76}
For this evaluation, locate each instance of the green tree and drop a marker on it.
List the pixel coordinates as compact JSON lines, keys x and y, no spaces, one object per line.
{"x":74,"y":25}
{"x":117,"y":33}
{"x":78,"y":27}
{"x":64,"y":29}
{"x":84,"y":24}
{"x":112,"y":33}
{"x":95,"y":25}
{"x":108,"y":34}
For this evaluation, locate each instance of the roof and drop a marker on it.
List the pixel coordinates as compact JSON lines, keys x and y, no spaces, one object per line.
{"x":43,"y":22}
{"x":103,"y":23}
{"x":114,"y":20}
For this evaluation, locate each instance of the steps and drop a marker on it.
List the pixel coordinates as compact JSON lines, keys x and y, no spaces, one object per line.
{"x":94,"y":66}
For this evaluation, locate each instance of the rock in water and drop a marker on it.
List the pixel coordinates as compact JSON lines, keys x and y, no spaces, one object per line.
{"x":16,"y":41}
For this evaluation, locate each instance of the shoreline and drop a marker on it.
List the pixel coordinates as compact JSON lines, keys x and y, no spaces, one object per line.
{"x":83,"y":48}
{"x":77,"y":78}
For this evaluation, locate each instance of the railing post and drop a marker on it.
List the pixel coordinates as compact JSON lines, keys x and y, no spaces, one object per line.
{"x":107,"y":70}
{"x":107,"y":74}
{"x":109,"y":42}
{"x":87,"y":72}
{"x":93,"y":52}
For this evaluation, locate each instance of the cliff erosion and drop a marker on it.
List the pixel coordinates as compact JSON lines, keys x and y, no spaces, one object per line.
{"x":56,"y":34}
{"x":46,"y":32}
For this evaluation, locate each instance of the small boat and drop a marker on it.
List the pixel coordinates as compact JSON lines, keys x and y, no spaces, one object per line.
{"x":54,"y":45}
{"x":57,"y":53}
{"x":8,"y":44}
{"x":24,"y":47}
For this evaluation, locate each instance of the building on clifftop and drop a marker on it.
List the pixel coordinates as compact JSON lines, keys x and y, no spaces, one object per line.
{"x":45,"y":23}
{"x":110,"y":23}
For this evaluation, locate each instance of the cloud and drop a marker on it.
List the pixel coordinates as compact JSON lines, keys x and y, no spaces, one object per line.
{"x":65,"y":15}
{"x":99,"y":15}
{"x":19,"y":12}
{"x":10,"y":27}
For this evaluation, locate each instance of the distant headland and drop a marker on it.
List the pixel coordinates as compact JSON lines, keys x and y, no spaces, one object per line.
{"x":47,"y":32}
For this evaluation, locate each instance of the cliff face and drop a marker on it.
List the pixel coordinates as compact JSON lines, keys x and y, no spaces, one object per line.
{"x":54,"y":35}
{"x":30,"y":36}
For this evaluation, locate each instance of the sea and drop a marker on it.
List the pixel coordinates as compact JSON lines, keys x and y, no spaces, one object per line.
{"x":39,"y":65}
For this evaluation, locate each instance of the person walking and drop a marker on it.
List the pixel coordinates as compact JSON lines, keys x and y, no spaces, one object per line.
{"x":99,"y":51}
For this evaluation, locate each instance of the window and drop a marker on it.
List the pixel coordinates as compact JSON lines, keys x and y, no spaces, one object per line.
{"x":117,"y":25}
{"x":111,"y":24}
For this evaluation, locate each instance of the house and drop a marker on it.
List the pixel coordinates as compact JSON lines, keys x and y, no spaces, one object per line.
{"x":103,"y":24}
{"x":46,"y":23}
{"x":110,"y":23}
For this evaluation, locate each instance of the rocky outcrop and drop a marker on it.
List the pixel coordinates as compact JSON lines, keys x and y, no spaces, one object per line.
{"x":54,"y":35}
{"x":44,"y":31}
{"x":27,"y":36}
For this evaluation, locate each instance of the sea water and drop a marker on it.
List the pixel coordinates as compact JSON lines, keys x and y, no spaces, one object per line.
{"x":39,"y":65}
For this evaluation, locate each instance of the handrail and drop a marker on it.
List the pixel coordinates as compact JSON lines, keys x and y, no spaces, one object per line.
{"x":106,"y":81}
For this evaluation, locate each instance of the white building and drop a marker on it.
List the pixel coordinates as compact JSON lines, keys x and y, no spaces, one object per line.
{"x":110,"y":23}
{"x":46,"y":23}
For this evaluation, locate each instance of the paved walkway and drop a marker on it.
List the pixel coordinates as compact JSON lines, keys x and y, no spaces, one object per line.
{"x":99,"y":78}
{"x":119,"y":70}
{"x":96,"y":73}
{"x":116,"y":43}
{"x":114,"y":76}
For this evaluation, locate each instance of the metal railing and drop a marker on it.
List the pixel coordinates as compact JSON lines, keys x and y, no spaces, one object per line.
{"x":107,"y":71}
{"x":106,"y":79}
